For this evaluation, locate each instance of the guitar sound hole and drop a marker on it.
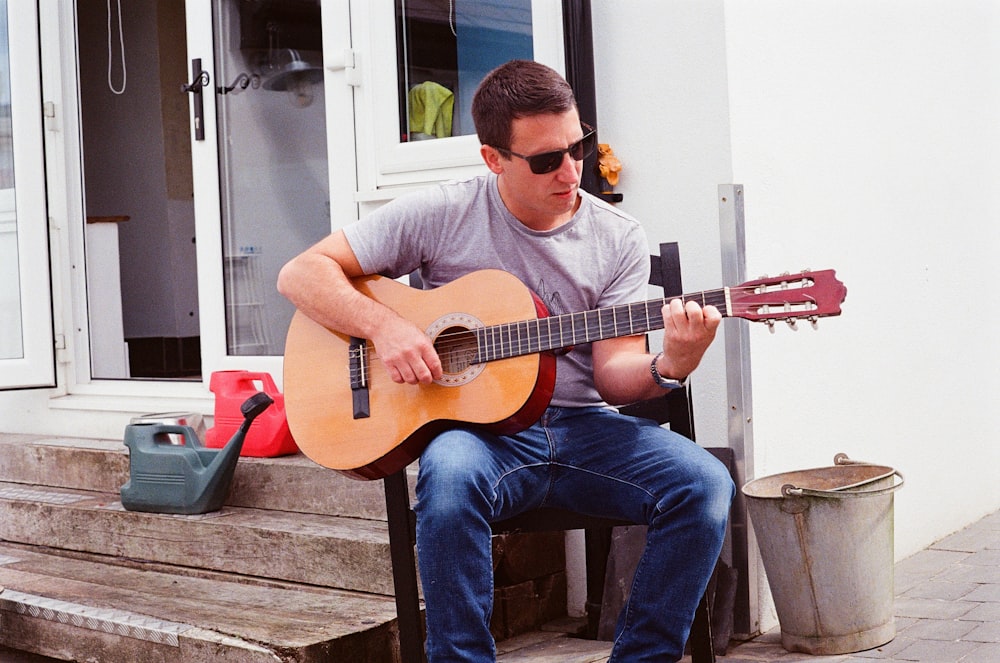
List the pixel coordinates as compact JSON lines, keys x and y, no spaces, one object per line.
{"x":456,"y":346}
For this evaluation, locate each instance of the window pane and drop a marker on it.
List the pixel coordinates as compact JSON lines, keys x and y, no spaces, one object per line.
{"x":11,"y":339}
{"x":445,"y":48}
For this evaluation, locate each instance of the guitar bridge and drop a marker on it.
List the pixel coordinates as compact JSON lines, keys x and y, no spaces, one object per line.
{"x":357,"y":362}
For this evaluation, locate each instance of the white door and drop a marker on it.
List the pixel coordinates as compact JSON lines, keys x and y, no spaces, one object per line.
{"x":261,"y":176}
{"x":26,"y":335}
{"x":205,"y":165}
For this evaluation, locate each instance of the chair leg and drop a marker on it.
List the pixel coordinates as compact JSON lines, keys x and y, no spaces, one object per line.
{"x":404,"y":567}
{"x":702,"y":649}
{"x":597,"y":543}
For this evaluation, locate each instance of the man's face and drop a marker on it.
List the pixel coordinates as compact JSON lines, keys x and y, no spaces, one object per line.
{"x":545,"y":201}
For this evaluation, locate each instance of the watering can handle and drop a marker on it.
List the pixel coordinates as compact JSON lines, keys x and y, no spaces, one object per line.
{"x":788,"y":490}
{"x":190,"y":438}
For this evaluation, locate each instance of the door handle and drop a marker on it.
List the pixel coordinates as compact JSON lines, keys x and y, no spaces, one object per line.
{"x":199,"y":79}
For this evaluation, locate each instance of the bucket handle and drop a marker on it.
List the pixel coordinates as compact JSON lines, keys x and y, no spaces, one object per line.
{"x":788,"y":490}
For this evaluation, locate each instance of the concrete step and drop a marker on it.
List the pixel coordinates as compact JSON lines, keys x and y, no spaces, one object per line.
{"x":330,"y":551}
{"x":88,"y":608}
{"x":260,"y":483}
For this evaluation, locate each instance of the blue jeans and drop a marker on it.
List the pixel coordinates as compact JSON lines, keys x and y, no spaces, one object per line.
{"x":591,"y":460}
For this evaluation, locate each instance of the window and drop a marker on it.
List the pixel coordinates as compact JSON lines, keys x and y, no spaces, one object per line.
{"x":444,"y":48}
{"x":414,"y":121}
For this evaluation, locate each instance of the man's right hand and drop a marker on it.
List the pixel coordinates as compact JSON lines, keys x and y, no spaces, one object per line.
{"x":407,"y":353}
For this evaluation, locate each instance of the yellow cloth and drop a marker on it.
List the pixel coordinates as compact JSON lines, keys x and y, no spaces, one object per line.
{"x":431,"y":109}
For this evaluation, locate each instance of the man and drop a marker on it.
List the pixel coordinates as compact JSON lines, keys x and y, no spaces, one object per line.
{"x":528,"y":217}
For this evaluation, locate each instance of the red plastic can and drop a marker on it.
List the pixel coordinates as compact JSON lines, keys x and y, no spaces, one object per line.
{"x":268,"y":435}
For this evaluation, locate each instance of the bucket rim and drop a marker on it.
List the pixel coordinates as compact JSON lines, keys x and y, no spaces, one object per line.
{"x":788,"y":487}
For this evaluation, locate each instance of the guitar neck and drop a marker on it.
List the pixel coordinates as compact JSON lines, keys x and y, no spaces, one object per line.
{"x":514,"y":339}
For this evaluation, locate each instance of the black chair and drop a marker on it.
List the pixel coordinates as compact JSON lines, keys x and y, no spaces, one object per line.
{"x":674,"y":408}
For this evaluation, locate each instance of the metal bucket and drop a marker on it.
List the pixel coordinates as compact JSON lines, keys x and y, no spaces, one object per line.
{"x":826,"y":540}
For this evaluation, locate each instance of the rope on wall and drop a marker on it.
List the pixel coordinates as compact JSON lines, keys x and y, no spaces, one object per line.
{"x":121,"y":41}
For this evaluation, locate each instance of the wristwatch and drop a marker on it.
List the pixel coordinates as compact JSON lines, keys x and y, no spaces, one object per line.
{"x":666,"y":383}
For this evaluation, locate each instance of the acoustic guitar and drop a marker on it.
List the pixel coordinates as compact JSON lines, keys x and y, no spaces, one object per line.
{"x":497,"y":345}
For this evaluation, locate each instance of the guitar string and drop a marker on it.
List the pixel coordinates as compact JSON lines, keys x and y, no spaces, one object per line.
{"x":456,"y":344}
{"x":450,"y":345}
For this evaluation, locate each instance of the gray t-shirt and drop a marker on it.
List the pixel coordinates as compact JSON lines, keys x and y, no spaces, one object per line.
{"x":599,"y":258}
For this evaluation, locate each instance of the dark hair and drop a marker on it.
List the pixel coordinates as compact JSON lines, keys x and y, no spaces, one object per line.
{"x":516,"y":89}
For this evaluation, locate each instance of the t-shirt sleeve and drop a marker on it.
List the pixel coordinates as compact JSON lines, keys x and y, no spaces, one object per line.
{"x":393,"y":239}
{"x":632,"y":275}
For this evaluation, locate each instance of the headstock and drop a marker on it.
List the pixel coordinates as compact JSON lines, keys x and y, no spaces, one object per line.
{"x":807,"y":295}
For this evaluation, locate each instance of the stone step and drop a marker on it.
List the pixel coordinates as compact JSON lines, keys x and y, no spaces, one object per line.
{"x":88,"y":608}
{"x":260,"y":483}
{"x":329,"y":551}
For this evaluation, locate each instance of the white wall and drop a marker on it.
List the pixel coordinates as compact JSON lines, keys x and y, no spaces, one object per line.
{"x":661,"y":104}
{"x":865,"y":134}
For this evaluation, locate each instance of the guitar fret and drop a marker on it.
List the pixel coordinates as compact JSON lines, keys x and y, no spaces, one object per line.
{"x":494,"y":345}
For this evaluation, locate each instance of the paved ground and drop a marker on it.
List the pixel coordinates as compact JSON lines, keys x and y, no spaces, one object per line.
{"x":947,"y":607}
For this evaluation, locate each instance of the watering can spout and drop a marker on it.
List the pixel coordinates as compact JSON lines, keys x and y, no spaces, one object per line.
{"x":219,"y":473}
{"x":252,"y":407}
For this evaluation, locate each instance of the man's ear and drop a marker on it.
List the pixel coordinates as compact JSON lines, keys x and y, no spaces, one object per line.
{"x":493,"y":159}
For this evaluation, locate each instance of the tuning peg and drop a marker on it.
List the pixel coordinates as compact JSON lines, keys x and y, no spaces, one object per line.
{"x":770,"y":325}
{"x":814,"y":321}
{"x":793,"y":323}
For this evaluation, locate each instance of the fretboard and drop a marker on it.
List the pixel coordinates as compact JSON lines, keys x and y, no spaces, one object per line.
{"x":513,"y":339}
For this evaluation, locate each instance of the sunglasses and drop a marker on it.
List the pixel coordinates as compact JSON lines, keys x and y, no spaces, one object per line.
{"x":546,"y":162}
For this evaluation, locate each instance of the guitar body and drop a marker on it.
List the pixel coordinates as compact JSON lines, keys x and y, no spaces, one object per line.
{"x":504,"y":396}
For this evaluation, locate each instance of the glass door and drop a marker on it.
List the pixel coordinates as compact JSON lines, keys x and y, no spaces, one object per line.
{"x":205,"y":169}
{"x":26,"y":335}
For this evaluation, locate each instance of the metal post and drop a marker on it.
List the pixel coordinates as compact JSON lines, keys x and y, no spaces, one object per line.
{"x":738,"y":391}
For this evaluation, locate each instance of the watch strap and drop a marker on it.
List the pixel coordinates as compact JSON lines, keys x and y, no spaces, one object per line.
{"x":665,"y":383}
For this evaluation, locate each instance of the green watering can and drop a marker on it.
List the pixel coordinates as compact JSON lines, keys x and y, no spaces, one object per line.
{"x":187,"y":478}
